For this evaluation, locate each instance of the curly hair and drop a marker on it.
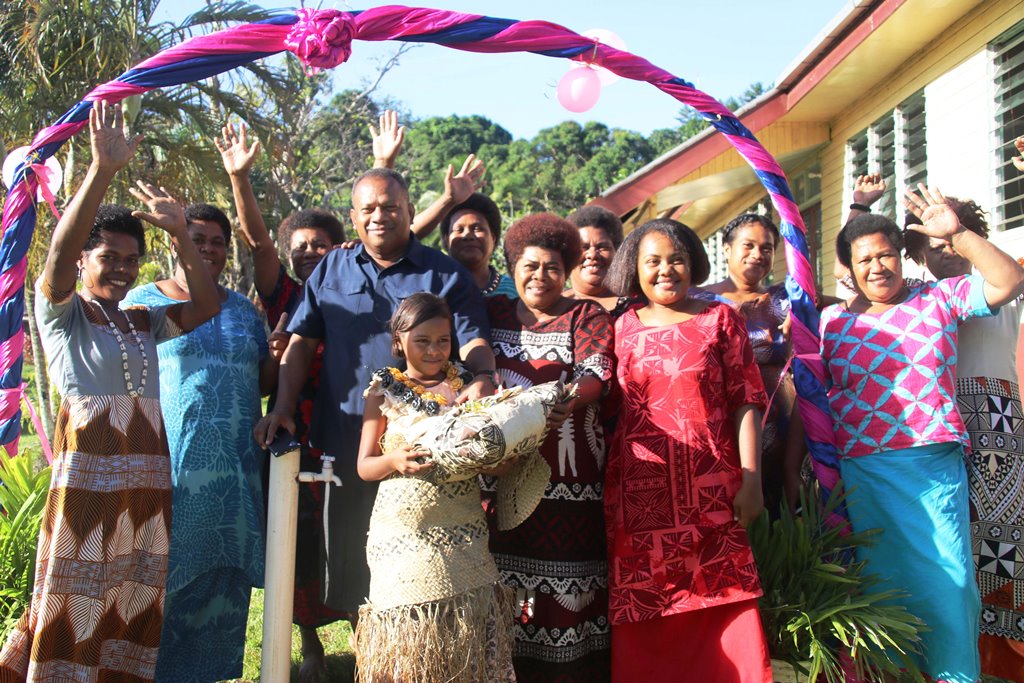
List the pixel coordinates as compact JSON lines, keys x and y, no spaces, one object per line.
{"x":481,"y":204}
{"x":623,"y":278}
{"x":317,"y":219}
{"x":116,"y":219}
{"x":415,"y":310}
{"x":209,"y":212}
{"x":600,"y":218}
{"x":730,"y":230}
{"x":547,"y":231}
{"x":967,"y":211}
{"x":862,"y":226}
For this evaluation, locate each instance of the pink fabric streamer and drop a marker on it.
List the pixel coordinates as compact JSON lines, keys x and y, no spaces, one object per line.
{"x":11,"y":350}
{"x":322,"y":39}
{"x":44,"y":441}
{"x":12,"y":280}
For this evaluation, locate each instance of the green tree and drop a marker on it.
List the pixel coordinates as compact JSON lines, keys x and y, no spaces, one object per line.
{"x":434,"y":143}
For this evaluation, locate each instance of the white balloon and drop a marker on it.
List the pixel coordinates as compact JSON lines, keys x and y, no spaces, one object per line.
{"x":605,"y":37}
{"x":56,"y":176}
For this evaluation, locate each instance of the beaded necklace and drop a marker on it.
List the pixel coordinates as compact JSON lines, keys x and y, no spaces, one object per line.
{"x":137,"y":340}
{"x":493,"y":284}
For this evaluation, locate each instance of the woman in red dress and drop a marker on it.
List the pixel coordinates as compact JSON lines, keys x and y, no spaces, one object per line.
{"x":556,"y":559}
{"x":683,"y":477}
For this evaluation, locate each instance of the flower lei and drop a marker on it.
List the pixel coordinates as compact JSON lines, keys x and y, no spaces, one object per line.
{"x":400,"y":386}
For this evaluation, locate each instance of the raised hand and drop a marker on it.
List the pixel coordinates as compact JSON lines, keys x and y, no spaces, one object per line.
{"x":937,"y":217}
{"x":460,"y":186}
{"x":235,"y":150}
{"x":110,"y":149}
{"x":387,"y":141}
{"x":1019,"y":161}
{"x":868,"y":189}
{"x":164,"y":210}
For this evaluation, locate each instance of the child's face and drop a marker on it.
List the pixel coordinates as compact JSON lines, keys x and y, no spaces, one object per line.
{"x":427,"y":347}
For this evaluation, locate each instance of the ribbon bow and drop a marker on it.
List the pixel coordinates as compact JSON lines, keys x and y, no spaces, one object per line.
{"x":42,"y":174}
{"x":321,"y":38}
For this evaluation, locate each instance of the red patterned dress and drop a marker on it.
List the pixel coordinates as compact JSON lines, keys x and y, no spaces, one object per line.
{"x":556,"y":559}
{"x":683,"y":585}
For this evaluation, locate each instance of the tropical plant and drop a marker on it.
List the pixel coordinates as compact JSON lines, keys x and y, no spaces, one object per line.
{"x":821,"y":610}
{"x":22,"y":499}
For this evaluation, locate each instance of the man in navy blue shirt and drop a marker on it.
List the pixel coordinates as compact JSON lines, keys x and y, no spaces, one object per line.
{"x":348,"y":300}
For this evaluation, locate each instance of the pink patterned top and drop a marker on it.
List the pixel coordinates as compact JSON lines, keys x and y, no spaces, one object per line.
{"x":893,"y":373}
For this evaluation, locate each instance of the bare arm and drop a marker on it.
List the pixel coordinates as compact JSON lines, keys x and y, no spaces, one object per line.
{"x":238,"y":157}
{"x":749,"y":500}
{"x":110,"y":153}
{"x":478,"y":358}
{"x":1004,"y":277}
{"x":1018,"y":162}
{"x":867,"y":190}
{"x":290,"y":380}
{"x":168,"y":215}
{"x":457,"y":188}
{"x":373,"y":465}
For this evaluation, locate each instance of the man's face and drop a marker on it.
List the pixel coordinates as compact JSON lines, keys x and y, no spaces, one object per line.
{"x":382,"y":214}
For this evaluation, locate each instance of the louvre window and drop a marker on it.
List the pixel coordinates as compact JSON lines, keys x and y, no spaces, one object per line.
{"x":894,"y":146}
{"x":1008,"y":62}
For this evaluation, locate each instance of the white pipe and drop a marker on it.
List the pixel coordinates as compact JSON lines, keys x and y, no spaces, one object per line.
{"x":279,"y":590}
{"x":278,"y":596}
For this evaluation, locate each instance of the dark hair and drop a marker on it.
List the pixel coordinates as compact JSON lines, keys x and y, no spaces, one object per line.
{"x":601,"y":218}
{"x":317,"y":219}
{"x":623,"y":278}
{"x":967,"y":211}
{"x":483,"y":205}
{"x":730,"y":230}
{"x":208,"y":212}
{"x":547,"y":231}
{"x":862,"y":226}
{"x":116,"y":219}
{"x":387,"y":174}
{"x":415,"y":310}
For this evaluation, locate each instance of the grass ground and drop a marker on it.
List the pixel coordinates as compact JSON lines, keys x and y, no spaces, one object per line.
{"x":340,"y":660}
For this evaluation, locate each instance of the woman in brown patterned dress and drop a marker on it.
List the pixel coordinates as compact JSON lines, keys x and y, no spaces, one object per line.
{"x":97,"y":607}
{"x":556,"y":559}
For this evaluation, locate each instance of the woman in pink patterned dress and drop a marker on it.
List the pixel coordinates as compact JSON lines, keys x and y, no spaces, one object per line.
{"x":891,"y":353}
{"x":683,"y":476}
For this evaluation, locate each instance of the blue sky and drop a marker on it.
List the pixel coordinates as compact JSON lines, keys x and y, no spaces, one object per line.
{"x":720,"y":46}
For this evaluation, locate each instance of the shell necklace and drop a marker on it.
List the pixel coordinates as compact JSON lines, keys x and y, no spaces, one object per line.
{"x":137,"y":340}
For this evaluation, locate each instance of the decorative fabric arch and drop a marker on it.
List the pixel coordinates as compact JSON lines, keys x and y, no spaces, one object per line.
{"x":323,"y":39}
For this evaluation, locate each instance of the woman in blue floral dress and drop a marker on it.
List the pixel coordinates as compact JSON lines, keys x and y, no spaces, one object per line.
{"x":210,"y":385}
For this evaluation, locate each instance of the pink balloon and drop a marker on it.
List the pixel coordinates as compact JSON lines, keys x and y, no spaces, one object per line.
{"x":605,"y":37}
{"x":579,"y":89}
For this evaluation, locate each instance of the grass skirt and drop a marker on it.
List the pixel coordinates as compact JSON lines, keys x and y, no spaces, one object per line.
{"x":466,"y":638}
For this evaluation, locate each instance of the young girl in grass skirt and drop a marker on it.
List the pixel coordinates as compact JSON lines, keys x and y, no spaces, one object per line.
{"x":436,"y":611}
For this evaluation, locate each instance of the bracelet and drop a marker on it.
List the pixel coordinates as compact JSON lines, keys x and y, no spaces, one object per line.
{"x":860,"y":207}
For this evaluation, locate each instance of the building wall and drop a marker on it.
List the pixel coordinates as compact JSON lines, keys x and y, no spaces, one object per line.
{"x":949,"y":72}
